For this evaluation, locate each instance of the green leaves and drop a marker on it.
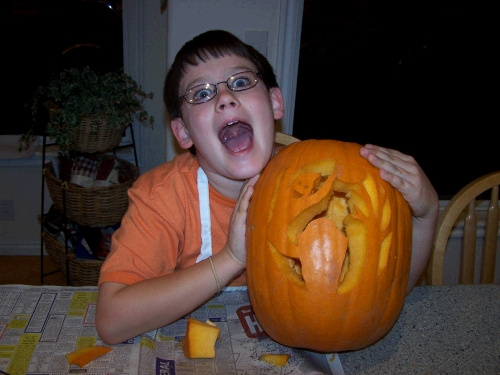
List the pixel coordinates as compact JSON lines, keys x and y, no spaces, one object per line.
{"x":75,"y":93}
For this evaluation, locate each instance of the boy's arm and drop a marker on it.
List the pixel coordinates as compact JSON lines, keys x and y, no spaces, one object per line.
{"x":125,"y":311}
{"x":404,"y":173}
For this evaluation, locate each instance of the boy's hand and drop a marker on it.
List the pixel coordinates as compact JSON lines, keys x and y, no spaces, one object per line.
{"x":404,"y":174}
{"x":236,"y":238}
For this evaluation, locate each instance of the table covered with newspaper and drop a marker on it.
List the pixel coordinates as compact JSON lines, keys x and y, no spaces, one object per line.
{"x":39,"y":325}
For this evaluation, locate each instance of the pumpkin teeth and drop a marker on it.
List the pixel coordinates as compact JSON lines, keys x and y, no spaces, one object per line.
{"x":290,"y":267}
{"x":296,"y":267}
{"x":345,"y":266}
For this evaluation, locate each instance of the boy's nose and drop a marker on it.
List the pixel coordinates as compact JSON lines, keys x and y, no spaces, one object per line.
{"x":225,"y":97}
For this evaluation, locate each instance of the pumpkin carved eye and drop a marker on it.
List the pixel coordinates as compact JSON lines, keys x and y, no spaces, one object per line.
{"x":335,"y":239}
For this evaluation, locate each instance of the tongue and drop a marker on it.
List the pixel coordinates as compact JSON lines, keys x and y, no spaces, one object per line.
{"x":237,"y":137}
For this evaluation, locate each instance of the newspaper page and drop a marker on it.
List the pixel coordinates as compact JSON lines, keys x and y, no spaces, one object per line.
{"x":39,"y":325}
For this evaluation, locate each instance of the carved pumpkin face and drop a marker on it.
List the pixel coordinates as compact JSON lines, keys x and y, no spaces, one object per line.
{"x":328,"y":248}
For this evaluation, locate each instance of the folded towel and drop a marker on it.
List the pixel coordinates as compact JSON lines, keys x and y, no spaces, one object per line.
{"x":84,"y":171}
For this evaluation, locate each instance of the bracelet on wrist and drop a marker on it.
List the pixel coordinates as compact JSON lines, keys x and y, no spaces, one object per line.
{"x":216,"y":277}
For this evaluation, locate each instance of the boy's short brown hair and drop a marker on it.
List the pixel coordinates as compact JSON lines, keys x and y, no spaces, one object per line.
{"x":210,"y":44}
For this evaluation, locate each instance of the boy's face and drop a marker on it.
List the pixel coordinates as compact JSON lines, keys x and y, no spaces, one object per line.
{"x":233,"y":133}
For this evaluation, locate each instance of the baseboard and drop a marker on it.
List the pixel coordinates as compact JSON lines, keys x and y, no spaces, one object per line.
{"x":16,"y":248}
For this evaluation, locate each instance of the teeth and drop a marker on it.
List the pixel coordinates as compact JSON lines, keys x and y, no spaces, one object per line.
{"x":231,"y":123}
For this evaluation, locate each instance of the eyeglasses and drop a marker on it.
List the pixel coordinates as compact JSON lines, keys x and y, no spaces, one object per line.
{"x":207,"y":91}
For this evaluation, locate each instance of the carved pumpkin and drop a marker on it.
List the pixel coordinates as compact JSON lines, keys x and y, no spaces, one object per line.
{"x":328,"y":248}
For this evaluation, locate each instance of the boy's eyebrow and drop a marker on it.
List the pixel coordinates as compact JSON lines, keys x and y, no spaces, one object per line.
{"x":230,"y":72}
{"x":197,"y":81}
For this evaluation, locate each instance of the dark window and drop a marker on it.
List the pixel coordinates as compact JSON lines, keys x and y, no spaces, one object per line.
{"x":416,"y":76}
{"x":43,"y":36}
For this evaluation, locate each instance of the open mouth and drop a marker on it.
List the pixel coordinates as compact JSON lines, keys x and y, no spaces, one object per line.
{"x":236,"y":136}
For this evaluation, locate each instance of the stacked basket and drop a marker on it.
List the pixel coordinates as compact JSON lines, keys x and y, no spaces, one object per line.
{"x":94,"y":206}
{"x":92,"y":135}
{"x":83,"y":272}
{"x":101,"y":206}
{"x":95,"y":136}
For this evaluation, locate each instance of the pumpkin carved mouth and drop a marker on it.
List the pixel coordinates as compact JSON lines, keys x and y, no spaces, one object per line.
{"x":326,"y":226}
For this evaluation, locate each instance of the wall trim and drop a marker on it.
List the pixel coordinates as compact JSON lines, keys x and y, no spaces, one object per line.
{"x":31,"y":248}
{"x":133,"y":54}
{"x":287,"y":68}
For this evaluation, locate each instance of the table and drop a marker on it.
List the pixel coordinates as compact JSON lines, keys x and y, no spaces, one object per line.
{"x":441,"y":330}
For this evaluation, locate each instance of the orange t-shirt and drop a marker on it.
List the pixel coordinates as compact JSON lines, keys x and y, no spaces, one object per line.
{"x":161,"y":230}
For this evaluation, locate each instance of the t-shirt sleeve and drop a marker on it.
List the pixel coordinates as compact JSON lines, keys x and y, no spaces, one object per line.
{"x":151,"y":238}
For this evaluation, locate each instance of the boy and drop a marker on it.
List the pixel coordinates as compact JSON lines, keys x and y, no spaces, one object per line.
{"x":183,"y":236}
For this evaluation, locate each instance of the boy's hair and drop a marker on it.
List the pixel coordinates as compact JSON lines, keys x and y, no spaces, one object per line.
{"x":210,"y":44}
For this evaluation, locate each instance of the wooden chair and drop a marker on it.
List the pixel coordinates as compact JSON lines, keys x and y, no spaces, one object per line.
{"x":464,"y":205}
{"x":284,"y":139}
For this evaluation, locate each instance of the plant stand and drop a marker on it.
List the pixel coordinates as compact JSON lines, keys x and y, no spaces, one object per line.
{"x":65,"y":259}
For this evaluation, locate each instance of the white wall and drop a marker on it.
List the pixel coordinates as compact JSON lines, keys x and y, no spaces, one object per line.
{"x":145,"y":59}
{"x":22,"y":185}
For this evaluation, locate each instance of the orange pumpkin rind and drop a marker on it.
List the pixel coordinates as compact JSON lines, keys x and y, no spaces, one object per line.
{"x":200,"y":339}
{"x":86,"y":354}
{"x":278,"y":360}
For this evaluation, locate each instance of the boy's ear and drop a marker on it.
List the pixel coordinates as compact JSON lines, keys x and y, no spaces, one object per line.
{"x":277,"y":102}
{"x":180,"y":133}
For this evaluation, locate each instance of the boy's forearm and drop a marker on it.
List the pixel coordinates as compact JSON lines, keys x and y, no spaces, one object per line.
{"x":125,"y":311}
{"x":422,"y":243}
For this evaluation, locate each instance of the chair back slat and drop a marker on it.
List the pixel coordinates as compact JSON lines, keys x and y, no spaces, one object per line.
{"x":284,"y":139}
{"x":491,"y":239}
{"x":469,"y":244}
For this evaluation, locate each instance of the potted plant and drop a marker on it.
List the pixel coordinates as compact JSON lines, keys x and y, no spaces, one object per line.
{"x":87,"y":111}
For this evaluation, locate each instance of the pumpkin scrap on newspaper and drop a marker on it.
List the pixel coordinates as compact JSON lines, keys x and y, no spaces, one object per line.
{"x":86,"y":354}
{"x":328,"y":248}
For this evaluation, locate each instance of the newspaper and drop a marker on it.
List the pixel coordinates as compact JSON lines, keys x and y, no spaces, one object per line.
{"x":39,"y":325}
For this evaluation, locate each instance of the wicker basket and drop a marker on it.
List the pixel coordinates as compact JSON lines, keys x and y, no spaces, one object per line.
{"x":82,"y":272}
{"x":94,"y":206}
{"x":93,"y":136}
